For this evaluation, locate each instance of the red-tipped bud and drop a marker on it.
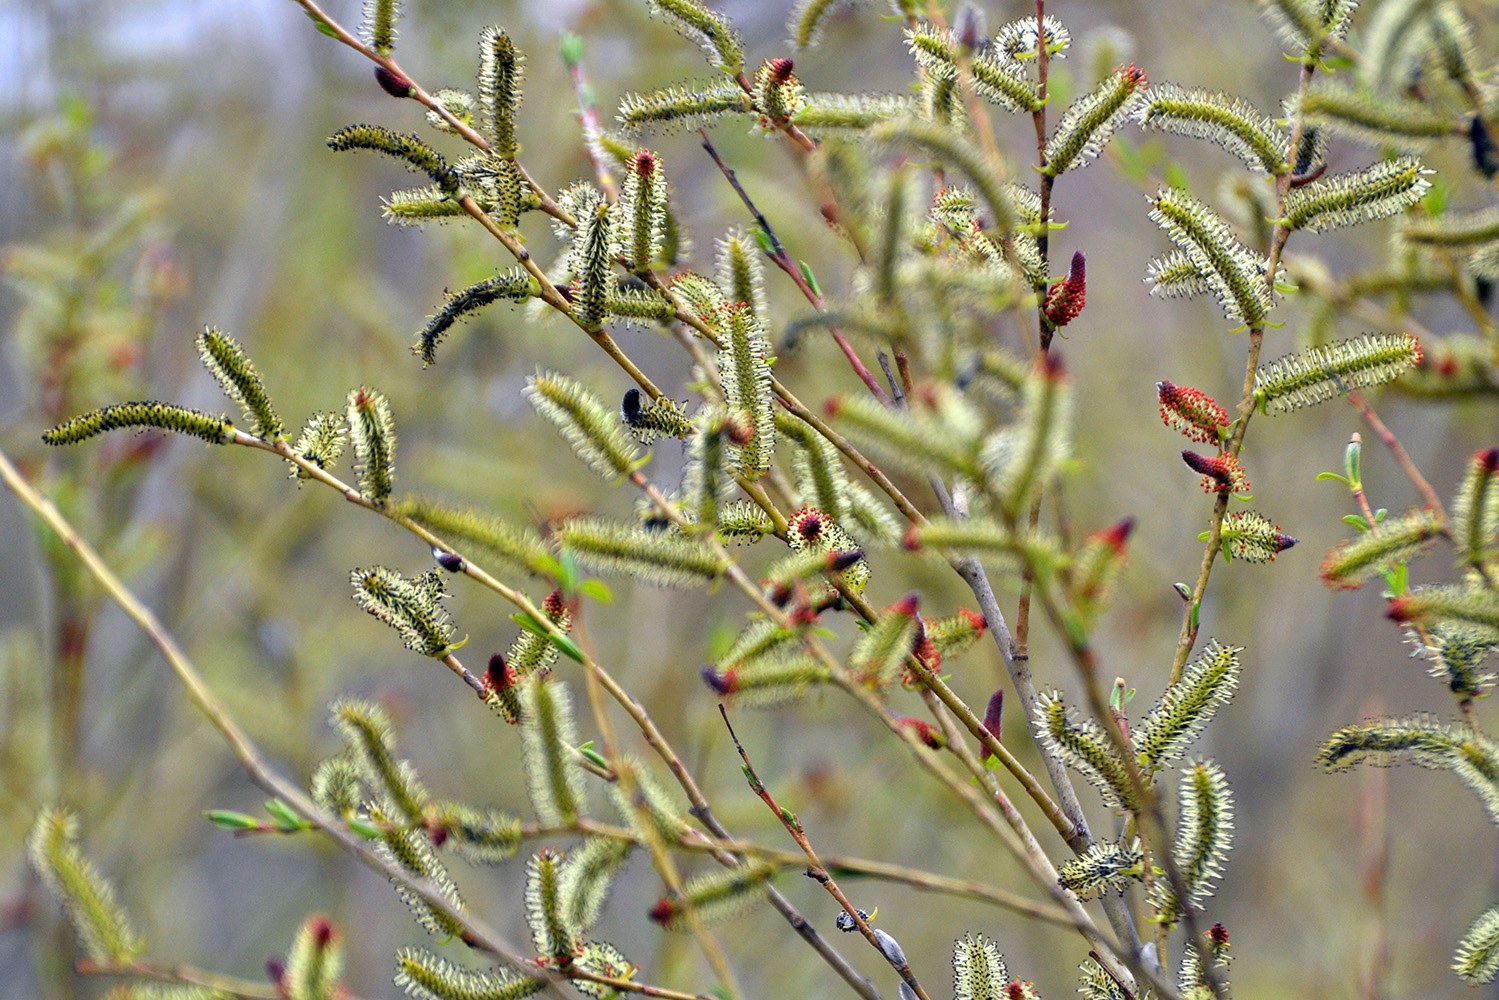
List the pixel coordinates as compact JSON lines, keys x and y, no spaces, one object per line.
{"x":664,"y":911}
{"x":499,"y":674}
{"x":1220,"y":473}
{"x":839,"y":561}
{"x":1192,"y":412}
{"x":644,"y":162}
{"x":322,"y":931}
{"x":831,"y":407}
{"x":924,"y":731}
{"x":808,"y":523}
{"x":1134,"y":75}
{"x":1066,"y":298}
{"x":912,"y":541}
{"x":1489,"y":460}
{"x":905,"y":606}
{"x":1117,"y":536}
{"x":779,"y":69}
{"x":1218,"y":935}
{"x":722,"y":684}
{"x":393,"y":84}
{"x":994,"y":714}
{"x":554,"y":606}
{"x":1399,"y":609}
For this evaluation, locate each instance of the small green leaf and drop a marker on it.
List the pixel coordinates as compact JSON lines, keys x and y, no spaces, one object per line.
{"x":227,"y":820}
{"x":322,"y":25}
{"x":592,"y":755}
{"x":1194,"y":618}
{"x":1331,"y":476}
{"x":1380,"y":514}
{"x":811,"y":279}
{"x":597,"y":590}
{"x":366,"y":830}
{"x":287,"y":821}
{"x":1357,"y":520}
{"x":762,"y":238}
{"x":572,"y":48}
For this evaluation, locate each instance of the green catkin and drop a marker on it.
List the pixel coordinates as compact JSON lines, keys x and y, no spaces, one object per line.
{"x":227,"y":362}
{"x":820,"y":478}
{"x":1383,"y":120}
{"x":591,"y":428}
{"x":696,"y":23}
{"x":1085,"y":748}
{"x":553,"y":779}
{"x":458,"y":103}
{"x":1088,"y":124}
{"x":485,"y":837}
{"x":1321,"y":373}
{"x":744,"y":523}
{"x":551,"y":934}
{"x":914,"y":441}
{"x":410,"y":149}
{"x":501,"y":79}
{"x":1103,"y":868}
{"x":1424,"y":741}
{"x":321,"y":442}
{"x":314,"y":963}
{"x":337,"y":786}
{"x":1387,"y":544}
{"x":370,"y":740}
{"x":1457,"y":654}
{"x":662,"y":559}
{"x":1458,"y":604}
{"x":586,"y":876}
{"x":1462,"y":231}
{"x":88,"y":898}
{"x":1176,"y":721}
{"x":996,"y":78}
{"x":740,"y":272}
{"x":1378,"y":192}
{"x":519,"y":548}
{"x":1019,"y":459}
{"x":1234,"y":273}
{"x":1476,"y":961}
{"x":821,"y":114}
{"x":979,"y":972}
{"x":717,"y":896}
{"x":379,"y":26}
{"x":425,"y":976}
{"x":148,"y":414}
{"x":638,"y":224}
{"x":412,"y":607}
{"x":1204,"y":835}
{"x":745,"y":365}
{"x":880,"y":653}
{"x":515,"y":285}
{"x":689,"y":104}
{"x":592,"y":264}
{"x":420,"y":205}
{"x":372,"y":429}
{"x":412,"y":850}
{"x":1475,"y":509}
{"x":809,"y":17}
{"x":1225,"y":119}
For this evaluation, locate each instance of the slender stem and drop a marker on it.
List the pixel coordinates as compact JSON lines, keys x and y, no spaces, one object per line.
{"x":476,"y":933}
{"x":1391,"y":442}
{"x":816,"y":871}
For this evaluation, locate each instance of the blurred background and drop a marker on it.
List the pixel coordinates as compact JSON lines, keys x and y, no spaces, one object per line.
{"x":162,"y":167}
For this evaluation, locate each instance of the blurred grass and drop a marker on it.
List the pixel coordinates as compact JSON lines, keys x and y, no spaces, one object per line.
{"x":221,"y":113}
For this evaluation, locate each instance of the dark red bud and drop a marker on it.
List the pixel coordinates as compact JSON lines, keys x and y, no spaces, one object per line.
{"x":275,"y":971}
{"x":322,"y":931}
{"x":393,"y":84}
{"x":1489,"y":460}
{"x":663,"y":911}
{"x":780,"y":69}
{"x":906,"y":605}
{"x":994,"y":714}
{"x":840,"y":561}
{"x":450,"y":561}
{"x":722,"y":684}
{"x":912,"y":541}
{"x":554,"y":606}
{"x":1218,"y":934}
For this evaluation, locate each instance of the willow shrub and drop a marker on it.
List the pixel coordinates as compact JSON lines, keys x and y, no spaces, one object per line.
{"x":953,"y":445}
